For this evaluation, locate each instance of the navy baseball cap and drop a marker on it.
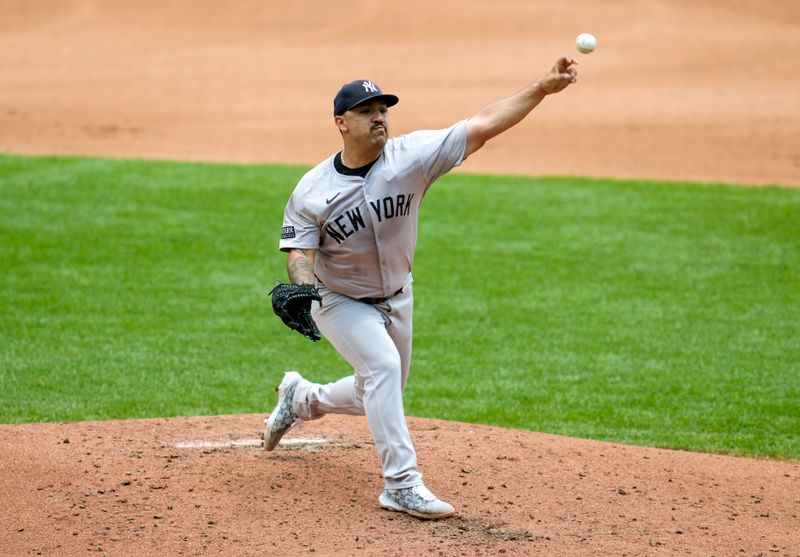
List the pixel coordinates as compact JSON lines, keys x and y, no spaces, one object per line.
{"x":358,"y":92}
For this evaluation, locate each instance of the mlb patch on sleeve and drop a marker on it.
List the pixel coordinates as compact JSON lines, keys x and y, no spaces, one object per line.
{"x":287,"y":232}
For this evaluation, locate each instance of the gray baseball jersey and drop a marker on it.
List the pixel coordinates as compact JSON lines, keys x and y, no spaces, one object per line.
{"x":365,"y":229}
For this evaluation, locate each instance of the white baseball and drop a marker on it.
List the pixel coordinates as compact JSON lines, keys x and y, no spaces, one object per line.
{"x":585,"y":43}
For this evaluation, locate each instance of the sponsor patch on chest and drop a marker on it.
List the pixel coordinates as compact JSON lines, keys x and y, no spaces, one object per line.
{"x":287,"y":232}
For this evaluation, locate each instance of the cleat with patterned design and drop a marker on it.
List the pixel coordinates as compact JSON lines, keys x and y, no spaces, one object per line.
{"x":283,"y":416}
{"x":417,"y":501}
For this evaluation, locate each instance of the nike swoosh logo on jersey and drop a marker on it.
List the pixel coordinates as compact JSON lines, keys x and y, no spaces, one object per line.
{"x":329,"y":201}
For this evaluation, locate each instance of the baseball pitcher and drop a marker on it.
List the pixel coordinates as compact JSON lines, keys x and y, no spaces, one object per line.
{"x":350,"y":231}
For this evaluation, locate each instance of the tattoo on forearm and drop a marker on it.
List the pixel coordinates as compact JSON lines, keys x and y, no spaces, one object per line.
{"x":301,"y":269}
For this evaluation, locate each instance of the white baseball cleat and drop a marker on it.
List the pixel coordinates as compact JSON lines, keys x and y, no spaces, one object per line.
{"x":417,"y":501}
{"x":283,"y":416}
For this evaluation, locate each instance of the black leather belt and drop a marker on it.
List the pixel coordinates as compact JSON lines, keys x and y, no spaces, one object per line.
{"x":374,"y":301}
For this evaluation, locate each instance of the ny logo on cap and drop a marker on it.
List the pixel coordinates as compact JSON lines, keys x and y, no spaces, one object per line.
{"x":369,"y":86}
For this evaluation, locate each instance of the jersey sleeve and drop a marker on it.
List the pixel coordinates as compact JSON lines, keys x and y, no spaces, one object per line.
{"x":300,"y":229}
{"x":438,"y":151}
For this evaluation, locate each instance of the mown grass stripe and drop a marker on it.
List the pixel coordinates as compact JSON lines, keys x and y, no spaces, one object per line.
{"x":664,"y":314}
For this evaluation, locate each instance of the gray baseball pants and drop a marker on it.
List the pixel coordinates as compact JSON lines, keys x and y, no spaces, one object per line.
{"x":376,"y":341}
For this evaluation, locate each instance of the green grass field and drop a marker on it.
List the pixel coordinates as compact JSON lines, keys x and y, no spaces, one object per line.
{"x":663,"y":314}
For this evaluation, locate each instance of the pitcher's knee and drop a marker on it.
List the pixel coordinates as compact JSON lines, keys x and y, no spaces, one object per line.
{"x":385,"y":373}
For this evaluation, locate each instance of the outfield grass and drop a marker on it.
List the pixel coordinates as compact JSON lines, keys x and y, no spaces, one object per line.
{"x":651,"y":313}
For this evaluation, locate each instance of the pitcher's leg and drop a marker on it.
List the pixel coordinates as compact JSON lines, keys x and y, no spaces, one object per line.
{"x":359,"y":333}
{"x":383,"y":404}
{"x":313,"y":400}
{"x":399,"y":310}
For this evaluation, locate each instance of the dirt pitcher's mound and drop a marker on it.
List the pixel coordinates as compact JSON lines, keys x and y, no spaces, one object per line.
{"x":191,"y":486}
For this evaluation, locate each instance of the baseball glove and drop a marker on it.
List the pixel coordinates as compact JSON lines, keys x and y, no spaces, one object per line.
{"x":292,"y":303}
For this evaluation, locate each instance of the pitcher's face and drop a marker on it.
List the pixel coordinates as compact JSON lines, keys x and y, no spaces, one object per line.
{"x":366,"y":125}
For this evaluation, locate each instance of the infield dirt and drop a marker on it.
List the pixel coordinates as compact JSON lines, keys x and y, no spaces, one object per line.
{"x":677,"y":89}
{"x":704,"y":91}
